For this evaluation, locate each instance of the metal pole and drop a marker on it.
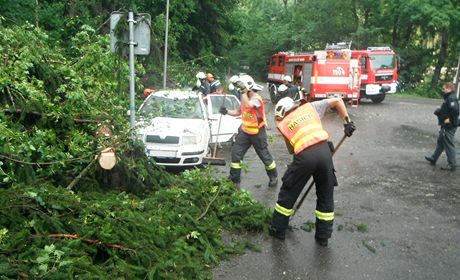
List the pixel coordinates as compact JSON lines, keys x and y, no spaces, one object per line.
{"x":131,"y":68}
{"x":457,"y":77}
{"x":166,"y":45}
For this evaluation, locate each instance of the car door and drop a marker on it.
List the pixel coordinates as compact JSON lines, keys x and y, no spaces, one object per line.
{"x":223,"y":127}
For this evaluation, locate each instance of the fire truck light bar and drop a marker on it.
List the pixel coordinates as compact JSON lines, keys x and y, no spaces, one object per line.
{"x":378,"y":48}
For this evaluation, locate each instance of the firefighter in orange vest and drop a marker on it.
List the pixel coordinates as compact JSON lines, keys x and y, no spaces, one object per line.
{"x":252,"y":130}
{"x":307,"y":140}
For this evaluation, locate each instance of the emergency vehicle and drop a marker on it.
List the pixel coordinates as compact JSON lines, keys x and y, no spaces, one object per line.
{"x":322,"y":74}
{"x":379,"y":72}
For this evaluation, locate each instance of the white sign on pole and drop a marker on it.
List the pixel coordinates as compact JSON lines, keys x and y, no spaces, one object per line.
{"x":142,"y":32}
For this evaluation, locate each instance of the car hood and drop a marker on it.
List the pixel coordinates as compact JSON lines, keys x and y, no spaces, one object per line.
{"x":172,"y":126}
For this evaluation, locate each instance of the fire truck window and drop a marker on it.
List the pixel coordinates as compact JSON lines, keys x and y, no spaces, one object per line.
{"x":281,"y":61}
{"x":298,"y":74}
{"x":364,"y":62}
{"x":273,"y":61}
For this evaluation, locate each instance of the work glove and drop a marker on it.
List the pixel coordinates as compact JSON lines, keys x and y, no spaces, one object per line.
{"x":349,"y":127}
{"x":223,"y":110}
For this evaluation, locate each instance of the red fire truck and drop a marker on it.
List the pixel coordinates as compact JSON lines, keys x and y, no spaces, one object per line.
{"x":323,"y":74}
{"x":379,"y":72}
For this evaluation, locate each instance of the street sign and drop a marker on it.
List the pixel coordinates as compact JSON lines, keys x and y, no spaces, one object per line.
{"x":142,"y":32}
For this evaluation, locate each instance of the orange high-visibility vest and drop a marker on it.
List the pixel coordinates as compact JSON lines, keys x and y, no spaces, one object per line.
{"x":249,"y":117}
{"x":303,"y":128}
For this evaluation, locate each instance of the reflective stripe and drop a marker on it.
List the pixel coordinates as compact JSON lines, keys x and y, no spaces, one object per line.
{"x":251,"y":130}
{"x":250,"y":124}
{"x":284,"y":211}
{"x":271,"y":166}
{"x":325,"y":216}
{"x":235,"y":165}
{"x":308,"y":140}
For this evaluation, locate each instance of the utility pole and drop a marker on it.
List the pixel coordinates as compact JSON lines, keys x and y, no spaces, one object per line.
{"x":166,"y":45}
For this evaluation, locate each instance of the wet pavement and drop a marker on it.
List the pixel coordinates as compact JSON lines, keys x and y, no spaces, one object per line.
{"x":397,"y":217}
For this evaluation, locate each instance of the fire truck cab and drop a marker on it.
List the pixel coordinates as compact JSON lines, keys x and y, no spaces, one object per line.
{"x":322,"y":74}
{"x":379,"y":73}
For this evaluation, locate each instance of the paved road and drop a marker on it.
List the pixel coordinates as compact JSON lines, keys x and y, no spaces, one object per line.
{"x":410,"y":209}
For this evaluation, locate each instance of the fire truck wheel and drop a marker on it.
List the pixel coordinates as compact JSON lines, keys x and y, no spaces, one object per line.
{"x":273,"y":92}
{"x":378,"y":98}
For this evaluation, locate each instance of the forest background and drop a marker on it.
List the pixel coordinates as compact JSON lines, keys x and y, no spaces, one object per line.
{"x":229,"y":36}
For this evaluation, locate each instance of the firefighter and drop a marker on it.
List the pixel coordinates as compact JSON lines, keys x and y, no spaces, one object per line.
{"x":234,"y":90}
{"x":282,"y":92}
{"x":252,"y":130}
{"x":203,"y":84}
{"x":215,"y":85}
{"x":292,"y":90}
{"x":307,"y":140}
{"x":448,"y":120}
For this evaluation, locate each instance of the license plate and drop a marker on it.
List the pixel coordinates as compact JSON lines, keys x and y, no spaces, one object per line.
{"x":157,"y":153}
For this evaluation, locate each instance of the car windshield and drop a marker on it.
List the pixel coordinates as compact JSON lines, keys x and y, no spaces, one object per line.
{"x":382,"y":61}
{"x":160,"y":106}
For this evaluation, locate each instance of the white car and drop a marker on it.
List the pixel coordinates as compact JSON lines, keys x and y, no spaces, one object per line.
{"x":174,"y":126}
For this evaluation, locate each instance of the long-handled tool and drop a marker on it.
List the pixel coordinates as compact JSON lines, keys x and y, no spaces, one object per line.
{"x":313,"y":181}
{"x":215,"y":160}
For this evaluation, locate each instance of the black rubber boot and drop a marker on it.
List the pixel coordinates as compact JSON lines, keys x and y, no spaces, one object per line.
{"x":321,"y":241}
{"x":431,"y":160}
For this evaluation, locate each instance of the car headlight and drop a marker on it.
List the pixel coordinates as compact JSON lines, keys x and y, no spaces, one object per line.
{"x":192,"y":139}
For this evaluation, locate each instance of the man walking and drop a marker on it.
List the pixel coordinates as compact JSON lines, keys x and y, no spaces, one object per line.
{"x":307,"y":140}
{"x":448,"y":120}
{"x":252,"y":130}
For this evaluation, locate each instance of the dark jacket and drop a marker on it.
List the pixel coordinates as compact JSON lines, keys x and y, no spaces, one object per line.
{"x":449,"y":109}
{"x":292,"y":92}
{"x":205,"y":88}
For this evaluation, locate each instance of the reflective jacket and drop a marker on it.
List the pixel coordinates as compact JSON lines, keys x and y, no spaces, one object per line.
{"x":253,"y":118}
{"x":302,"y":127}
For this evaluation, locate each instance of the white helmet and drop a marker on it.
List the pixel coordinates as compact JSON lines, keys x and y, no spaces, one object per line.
{"x":250,"y":84}
{"x":231,"y":87}
{"x":247,"y":80}
{"x":283,"y":106}
{"x":282,"y":88}
{"x":201,"y":75}
{"x":234,"y":79}
{"x":287,"y":78}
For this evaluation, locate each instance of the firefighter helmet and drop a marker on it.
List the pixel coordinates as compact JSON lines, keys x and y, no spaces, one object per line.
{"x":231,"y":87}
{"x":201,"y":75}
{"x":283,"y":106}
{"x":282,"y":88}
{"x":234,"y":79}
{"x":250,"y":84}
{"x":287,"y":78}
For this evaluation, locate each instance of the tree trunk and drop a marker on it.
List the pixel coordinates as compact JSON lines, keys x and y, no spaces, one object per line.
{"x":441,"y":59}
{"x":366,"y":27}
{"x":355,"y":14}
{"x":285,"y":3}
{"x":36,"y":13}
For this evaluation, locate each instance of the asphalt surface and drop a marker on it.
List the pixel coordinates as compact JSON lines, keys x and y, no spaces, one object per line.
{"x":397,"y":217}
